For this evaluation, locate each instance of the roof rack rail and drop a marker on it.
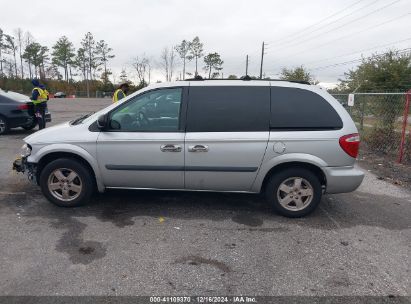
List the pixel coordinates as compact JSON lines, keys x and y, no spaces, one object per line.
{"x":246,"y":78}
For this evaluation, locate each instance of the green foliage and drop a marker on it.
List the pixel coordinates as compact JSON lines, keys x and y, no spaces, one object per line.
{"x":381,"y":73}
{"x":89,"y":45}
{"x":36,"y":54}
{"x":213,"y":61}
{"x":103,"y":52}
{"x":297,"y":74}
{"x":388,"y":72}
{"x":63,"y":55}
{"x":2,"y":47}
{"x":183,"y":50}
{"x":196,"y":51}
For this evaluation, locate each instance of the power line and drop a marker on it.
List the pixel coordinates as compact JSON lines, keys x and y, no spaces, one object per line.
{"x":344,"y":24}
{"x":364,"y":50}
{"x":302,"y":33}
{"x":403,"y":51}
{"x":351,"y":34}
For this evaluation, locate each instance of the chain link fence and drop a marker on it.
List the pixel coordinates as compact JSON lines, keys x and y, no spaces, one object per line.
{"x":93,"y":94}
{"x":384,"y":123}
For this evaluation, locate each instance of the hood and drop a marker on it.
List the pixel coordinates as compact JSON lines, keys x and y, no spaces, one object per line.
{"x":64,"y":133}
{"x":49,"y":135}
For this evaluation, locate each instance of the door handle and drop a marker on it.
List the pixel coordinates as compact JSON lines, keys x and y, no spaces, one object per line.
{"x":170,"y":148}
{"x":198,"y":148}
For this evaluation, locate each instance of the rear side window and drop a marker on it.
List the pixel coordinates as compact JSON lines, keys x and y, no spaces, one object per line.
{"x":228,"y":109}
{"x":298,"y":109}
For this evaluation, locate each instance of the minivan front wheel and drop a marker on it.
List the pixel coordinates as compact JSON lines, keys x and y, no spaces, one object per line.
{"x":294,"y":192}
{"x":66,"y":183}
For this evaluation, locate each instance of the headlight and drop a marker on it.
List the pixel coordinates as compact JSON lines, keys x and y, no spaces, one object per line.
{"x":25,"y":150}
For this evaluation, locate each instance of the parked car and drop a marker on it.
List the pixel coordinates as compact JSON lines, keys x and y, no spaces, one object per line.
{"x":17,"y":110}
{"x":291,"y":141}
{"x":59,"y":95}
{"x":14,"y":111}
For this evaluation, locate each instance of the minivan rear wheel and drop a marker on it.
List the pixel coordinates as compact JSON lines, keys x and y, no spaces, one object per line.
{"x":294,"y":192}
{"x":66,"y":183}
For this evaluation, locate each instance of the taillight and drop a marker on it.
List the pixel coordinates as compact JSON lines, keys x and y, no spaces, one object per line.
{"x":350,"y":144}
{"x":23,"y":107}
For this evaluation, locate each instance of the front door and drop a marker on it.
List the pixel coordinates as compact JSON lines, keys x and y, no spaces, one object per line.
{"x":227,"y":135}
{"x":144,"y":144}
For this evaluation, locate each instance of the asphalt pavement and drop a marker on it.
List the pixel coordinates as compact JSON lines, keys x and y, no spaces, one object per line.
{"x":176,"y":243}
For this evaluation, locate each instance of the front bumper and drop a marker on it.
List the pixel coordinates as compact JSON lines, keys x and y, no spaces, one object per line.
{"x":342,"y":179}
{"x":18,"y":165}
{"x":21,"y":165}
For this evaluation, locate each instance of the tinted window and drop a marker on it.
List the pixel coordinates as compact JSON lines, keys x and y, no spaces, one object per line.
{"x":228,"y":109}
{"x":158,"y":111}
{"x":299,"y":109}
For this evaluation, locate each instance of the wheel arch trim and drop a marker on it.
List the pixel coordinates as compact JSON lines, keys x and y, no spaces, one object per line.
{"x":76,"y":151}
{"x":292,"y":159}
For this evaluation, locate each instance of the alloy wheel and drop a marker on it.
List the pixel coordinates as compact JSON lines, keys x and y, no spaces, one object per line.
{"x":65,"y":184}
{"x":295,"y":193}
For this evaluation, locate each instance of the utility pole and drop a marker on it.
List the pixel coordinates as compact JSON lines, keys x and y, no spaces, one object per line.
{"x":262,"y":60}
{"x":246,"y":66}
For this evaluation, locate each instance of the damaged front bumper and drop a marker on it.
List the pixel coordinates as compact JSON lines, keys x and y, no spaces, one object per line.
{"x":22,"y":166}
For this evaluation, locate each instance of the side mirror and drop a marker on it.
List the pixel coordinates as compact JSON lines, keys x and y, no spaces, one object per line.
{"x":102,"y":122}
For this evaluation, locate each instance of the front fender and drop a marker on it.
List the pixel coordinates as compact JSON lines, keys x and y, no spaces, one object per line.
{"x":42,"y":151}
{"x":271,"y":162}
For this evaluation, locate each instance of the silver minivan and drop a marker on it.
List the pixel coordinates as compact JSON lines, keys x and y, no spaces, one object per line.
{"x":290,"y":140}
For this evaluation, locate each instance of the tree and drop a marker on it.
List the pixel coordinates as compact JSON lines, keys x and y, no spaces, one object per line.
{"x":2,"y":46}
{"x":387,"y":72}
{"x":297,"y":74}
{"x":196,"y":51}
{"x":142,"y":66}
{"x":213,"y":61}
{"x":63,"y":55}
{"x":167,"y":62}
{"x":390,"y":71}
{"x":42,"y":59}
{"x":183,"y":50}
{"x":103,"y":52}
{"x":89,"y":45}
{"x":12,"y":48}
{"x":81,"y":63}
{"x":28,"y":37}
{"x":32,"y":56}
{"x":123,"y":76}
{"x":19,"y":35}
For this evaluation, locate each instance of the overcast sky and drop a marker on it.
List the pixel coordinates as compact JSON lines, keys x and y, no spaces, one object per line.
{"x":295,"y":30}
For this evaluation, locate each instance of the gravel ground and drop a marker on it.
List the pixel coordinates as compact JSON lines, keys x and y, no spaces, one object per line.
{"x":175,"y":243}
{"x":386,"y":168}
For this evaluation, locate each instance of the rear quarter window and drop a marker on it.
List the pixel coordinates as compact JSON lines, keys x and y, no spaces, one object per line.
{"x":299,"y":109}
{"x":228,"y":109}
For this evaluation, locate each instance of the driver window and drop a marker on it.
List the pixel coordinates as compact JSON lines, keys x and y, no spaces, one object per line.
{"x":157,"y":111}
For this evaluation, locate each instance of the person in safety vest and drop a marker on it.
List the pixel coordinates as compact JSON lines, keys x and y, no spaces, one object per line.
{"x":39,"y":97}
{"x":121,"y":92}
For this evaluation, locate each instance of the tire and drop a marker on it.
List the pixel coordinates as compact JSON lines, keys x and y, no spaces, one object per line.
{"x":31,"y":126}
{"x":287,"y":198}
{"x":71,"y":183}
{"x":4,"y":125}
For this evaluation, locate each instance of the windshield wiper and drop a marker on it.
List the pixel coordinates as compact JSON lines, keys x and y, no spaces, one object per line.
{"x":81,"y":119}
